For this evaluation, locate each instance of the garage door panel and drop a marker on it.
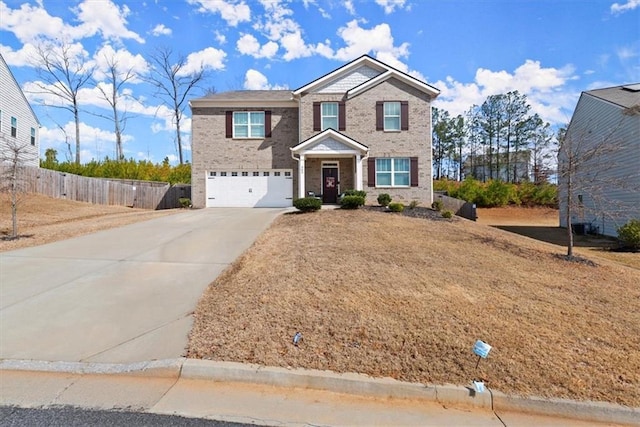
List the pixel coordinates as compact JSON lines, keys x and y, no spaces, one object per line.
{"x":272,"y":188}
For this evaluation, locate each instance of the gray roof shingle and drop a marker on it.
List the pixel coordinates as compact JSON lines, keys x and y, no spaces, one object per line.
{"x":623,"y":95}
{"x":250,"y":95}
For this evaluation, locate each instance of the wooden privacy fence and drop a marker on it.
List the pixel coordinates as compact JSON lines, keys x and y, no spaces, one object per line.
{"x":459,"y":207}
{"x":101,"y":191}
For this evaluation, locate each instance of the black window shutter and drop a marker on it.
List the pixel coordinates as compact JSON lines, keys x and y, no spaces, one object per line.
{"x":267,"y":124}
{"x":414,"y":171}
{"x":371,"y":172}
{"x":316,"y":116}
{"x":379,"y":115}
{"x":342,"y":116}
{"x":404,"y":115}
{"x":229,"y":124}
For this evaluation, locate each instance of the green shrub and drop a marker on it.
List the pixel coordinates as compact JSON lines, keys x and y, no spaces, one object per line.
{"x":396,"y":207}
{"x":447,"y":214}
{"x":307,"y":204}
{"x":384,"y":199}
{"x":352,"y":202}
{"x":437,"y":205}
{"x":629,"y":234}
{"x":413,"y":204}
{"x":358,"y":193}
{"x":185,"y":202}
{"x":470,"y":190}
{"x":498,"y":193}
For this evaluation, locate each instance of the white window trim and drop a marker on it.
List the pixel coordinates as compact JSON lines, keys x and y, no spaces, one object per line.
{"x":385,"y":115}
{"x":12,"y":127}
{"x":248,"y":125}
{"x":322,"y":116}
{"x":392,"y":172}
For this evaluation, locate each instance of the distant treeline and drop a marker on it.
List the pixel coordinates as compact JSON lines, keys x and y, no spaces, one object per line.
{"x":495,"y":193}
{"x":142,"y":170}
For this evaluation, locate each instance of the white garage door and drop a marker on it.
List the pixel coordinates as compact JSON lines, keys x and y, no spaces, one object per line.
{"x":245,"y":189}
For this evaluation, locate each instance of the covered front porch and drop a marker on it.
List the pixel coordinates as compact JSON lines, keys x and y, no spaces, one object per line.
{"x":329,"y":163}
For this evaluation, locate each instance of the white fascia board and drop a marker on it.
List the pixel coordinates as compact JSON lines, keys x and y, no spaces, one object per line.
{"x":206,"y":103}
{"x":330,"y":133}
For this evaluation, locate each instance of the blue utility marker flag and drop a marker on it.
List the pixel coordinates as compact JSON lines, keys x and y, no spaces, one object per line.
{"x":481,"y":349}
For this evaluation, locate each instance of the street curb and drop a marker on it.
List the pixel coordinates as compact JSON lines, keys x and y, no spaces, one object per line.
{"x":349,"y":383}
{"x":155,"y":368}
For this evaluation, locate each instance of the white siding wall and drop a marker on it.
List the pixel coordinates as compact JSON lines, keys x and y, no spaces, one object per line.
{"x":617,"y":200}
{"x":14,"y":104}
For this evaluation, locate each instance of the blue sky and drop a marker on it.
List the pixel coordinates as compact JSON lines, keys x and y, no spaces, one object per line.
{"x":549,"y":50}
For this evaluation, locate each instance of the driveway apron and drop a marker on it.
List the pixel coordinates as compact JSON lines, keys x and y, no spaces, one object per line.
{"x":122,"y":295}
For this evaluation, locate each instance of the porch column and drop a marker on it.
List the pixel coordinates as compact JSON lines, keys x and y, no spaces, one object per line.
{"x":358,"y":172}
{"x":301,"y":184}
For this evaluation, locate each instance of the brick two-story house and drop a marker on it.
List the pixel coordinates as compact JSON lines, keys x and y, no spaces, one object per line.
{"x":364,"y":126}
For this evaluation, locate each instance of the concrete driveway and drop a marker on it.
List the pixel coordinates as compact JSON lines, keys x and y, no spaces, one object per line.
{"x":122,"y":295}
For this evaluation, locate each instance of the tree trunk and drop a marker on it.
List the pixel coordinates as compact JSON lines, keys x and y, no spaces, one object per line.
{"x":77,"y":121}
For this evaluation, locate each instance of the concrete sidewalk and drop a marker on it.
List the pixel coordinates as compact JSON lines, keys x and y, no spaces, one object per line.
{"x":120,"y":295}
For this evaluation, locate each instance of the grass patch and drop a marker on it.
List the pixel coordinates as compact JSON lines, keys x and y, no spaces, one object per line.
{"x":394,"y":296}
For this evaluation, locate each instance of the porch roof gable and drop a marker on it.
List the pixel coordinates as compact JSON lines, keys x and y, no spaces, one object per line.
{"x":332,"y":141}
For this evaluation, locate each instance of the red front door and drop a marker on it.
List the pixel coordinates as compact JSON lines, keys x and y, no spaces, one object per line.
{"x":329,"y":185}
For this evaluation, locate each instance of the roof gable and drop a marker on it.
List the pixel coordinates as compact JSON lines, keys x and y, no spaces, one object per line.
{"x":360,"y":75}
{"x":3,"y":64}
{"x":330,"y":142}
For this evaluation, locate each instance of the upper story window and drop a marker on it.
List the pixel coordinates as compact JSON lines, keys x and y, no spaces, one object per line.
{"x":392,"y":116}
{"x":329,"y":115}
{"x":248,"y":124}
{"x":33,"y":136}
{"x":14,"y":127}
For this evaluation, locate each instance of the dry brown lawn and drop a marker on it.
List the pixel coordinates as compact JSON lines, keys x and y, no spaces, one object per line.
{"x":406,"y":298}
{"x":542,"y":224}
{"x":43,"y":219}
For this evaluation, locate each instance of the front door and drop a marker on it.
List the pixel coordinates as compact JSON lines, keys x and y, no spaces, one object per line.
{"x":329,"y":185}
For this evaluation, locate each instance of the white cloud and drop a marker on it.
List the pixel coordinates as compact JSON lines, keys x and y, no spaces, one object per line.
{"x":95,"y":143}
{"x":348,"y":4}
{"x":208,"y":58}
{"x":124,"y":60}
{"x":29,"y":23}
{"x":220,"y":38}
{"x":255,"y":80}
{"x":233,"y":12}
{"x":248,"y":45}
{"x":106,"y":18}
{"x":390,"y":5}
{"x":360,"y":41}
{"x":18,"y":58}
{"x":618,"y":8}
{"x":626,"y":52}
{"x":545,"y":89}
{"x":161,"y":30}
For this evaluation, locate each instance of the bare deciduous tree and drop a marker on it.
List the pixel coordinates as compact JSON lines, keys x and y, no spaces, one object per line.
{"x":173,"y":82}
{"x":115,"y":79}
{"x":63,"y":71}
{"x":13,"y":157}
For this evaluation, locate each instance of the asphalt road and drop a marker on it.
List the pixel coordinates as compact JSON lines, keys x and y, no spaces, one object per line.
{"x":68,"y":416}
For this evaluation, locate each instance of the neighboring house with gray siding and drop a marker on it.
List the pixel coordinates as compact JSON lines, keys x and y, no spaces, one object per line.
{"x":18,"y":123}
{"x":364,"y":126}
{"x":606,"y":187}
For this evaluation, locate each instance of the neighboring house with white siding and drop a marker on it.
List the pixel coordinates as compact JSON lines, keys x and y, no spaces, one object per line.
{"x":19,"y":125}
{"x":604,"y":133}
